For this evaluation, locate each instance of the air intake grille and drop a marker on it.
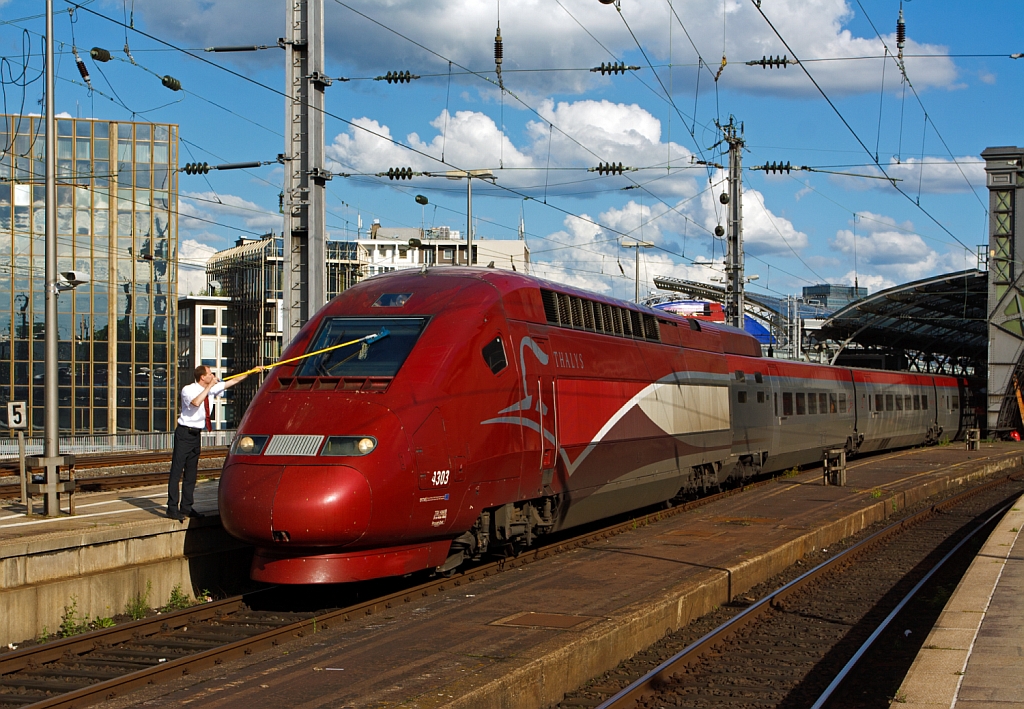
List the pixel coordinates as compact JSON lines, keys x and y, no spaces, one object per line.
{"x":294,"y":445}
{"x":582,"y":314}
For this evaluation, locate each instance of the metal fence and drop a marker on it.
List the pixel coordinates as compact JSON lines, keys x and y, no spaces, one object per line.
{"x":119,"y":443}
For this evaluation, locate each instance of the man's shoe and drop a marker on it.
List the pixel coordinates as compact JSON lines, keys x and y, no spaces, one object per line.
{"x":195,"y":515}
{"x":175,"y":515}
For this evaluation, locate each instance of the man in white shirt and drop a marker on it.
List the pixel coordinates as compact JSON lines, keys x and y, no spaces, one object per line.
{"x":194,"y":419}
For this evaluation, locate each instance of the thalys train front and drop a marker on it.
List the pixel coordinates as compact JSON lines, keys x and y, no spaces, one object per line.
{"x":322,"y":477}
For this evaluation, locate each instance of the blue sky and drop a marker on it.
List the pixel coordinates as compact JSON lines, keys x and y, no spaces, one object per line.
{"x":556,"y":118}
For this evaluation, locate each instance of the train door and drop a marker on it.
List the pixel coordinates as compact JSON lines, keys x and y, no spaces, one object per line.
{"x":433,"y":466}
{"x":540,"y":452}
{"x":777,"y":418}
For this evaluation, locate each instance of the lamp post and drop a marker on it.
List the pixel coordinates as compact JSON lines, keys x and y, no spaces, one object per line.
{"x":469,"y":175}
{"x":637,"y":245}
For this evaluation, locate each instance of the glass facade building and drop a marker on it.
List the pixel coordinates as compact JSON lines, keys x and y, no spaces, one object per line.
{"x":116,"y":221}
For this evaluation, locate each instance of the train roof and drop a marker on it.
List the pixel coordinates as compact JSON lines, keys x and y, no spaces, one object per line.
{"x":523,"y":296}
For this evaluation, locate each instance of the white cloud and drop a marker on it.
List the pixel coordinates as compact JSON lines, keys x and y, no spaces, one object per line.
{"x":192,"y":258}
{"x":893,"y":253}
{"x":216,"y":207}
{"x":933,"y":175}
{"x":873,"y":282}
{"x":539,"y":35}
{"x":590,"y":132}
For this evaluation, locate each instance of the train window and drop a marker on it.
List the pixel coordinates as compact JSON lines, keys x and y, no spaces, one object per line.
{"x":758,"y":378}
{"x":842,"y":403}
{"x":381,"y":358}
{"x":956,"y":402}
{"x":833,"y":405}
{"x":899,"y":403}
{"x":776,"y":398}
{"x":823,"y":403}
{"x":917,"y":402}
{"x":741,"y":397}
{"x":888,"y":402}
{"x":924,"y":401}
{"x":787,"y":403}
{"x":740,"y":376}
{"x":494,"y":355}
{"x":879,"y":402}
{"x":812,"y":404}
{"x":760,"y":397}
{"x":392,"y":300}
{"x":694,"y":325}
{"x":801,"y":404}
{"x":907,"y":403}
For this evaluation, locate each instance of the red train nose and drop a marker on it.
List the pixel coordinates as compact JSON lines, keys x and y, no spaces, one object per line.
{"x":315,"y":505}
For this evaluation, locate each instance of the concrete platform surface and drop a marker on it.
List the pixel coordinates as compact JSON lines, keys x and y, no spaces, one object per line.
{"x":974,"y":657}
{"x":524,"y":637}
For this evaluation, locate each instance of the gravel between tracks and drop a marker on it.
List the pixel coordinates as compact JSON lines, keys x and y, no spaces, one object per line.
{"x":788,"y":657}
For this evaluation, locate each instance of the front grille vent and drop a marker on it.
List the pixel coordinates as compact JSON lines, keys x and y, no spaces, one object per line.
{"x":294,"y":445}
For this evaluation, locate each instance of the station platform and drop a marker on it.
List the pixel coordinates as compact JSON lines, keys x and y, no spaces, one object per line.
{"x":118,"y":546}
{"x":974,"y":656}
{"x":524,"y":637}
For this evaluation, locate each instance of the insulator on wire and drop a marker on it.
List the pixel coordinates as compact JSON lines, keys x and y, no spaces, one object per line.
{"x":99,"y":54}
{"x":196,"y":168}
{"x":399,"y":173}
{"x":771,"y":62}
{"x":170,"y":82}
{"x":609,"y":168}
{"x":499,"y":54}
{"x":397,"y":77}
{"x":901,"y":34}
{"x":82,"y":68}
{"x":781,"y":167}
{"x":613,"y":68}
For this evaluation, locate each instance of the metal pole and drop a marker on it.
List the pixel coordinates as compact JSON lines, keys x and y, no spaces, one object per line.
{"x":51,"y":422}
{"x":734,"y":265}
{"x":469,"y":219}
{"x":636,"y":278}
{"x":304,"y":272}
{"x":24,"y":478}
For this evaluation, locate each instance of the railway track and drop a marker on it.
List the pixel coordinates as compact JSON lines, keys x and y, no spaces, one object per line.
{"x":793,"y":646}
{"x":115,"y":481}
{"x":104,"y":664}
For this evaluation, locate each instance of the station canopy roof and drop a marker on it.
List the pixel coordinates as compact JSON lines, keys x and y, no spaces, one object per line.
{"x":943,"y":316}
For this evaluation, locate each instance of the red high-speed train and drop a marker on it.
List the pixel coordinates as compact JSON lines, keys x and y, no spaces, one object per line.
{"x":482,"y":408}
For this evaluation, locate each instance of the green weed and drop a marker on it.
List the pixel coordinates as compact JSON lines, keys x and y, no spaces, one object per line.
{"x":45,"y":635}
{"x":70,"y":622}
{"x":138,"y":605}
{"x":107,"y":622}
{"x":791,"y":472}
{"x":178,"y":600}
{"x":875,"y":494}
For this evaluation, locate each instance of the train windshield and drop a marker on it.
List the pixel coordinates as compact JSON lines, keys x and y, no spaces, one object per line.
{"x":369,"y":347}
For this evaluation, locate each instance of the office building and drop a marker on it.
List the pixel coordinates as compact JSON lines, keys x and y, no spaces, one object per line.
{"x":206,"y":329}
{"x":116,"y":221}
{"x":832,"y":297}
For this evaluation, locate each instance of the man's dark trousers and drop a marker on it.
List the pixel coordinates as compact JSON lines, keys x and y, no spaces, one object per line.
{"x":185,"y":458}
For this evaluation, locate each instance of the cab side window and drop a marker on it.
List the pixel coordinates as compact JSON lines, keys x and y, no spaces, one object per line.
{"x":494,"y":355}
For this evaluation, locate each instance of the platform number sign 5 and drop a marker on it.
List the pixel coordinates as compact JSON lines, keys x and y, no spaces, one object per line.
{"x":17,"y":414}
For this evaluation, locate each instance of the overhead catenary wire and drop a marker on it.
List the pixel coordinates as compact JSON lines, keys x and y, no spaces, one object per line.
{"x":846,"y":123}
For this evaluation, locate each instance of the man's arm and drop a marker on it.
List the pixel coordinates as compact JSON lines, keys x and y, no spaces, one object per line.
{"x":203,"y":394}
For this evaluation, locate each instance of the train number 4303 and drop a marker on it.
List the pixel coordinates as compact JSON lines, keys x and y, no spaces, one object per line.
{"x":440,"y":477}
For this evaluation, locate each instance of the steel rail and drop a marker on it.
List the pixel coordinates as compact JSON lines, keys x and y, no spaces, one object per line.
{"x":697,"y":651}
{"x":172,"y":669}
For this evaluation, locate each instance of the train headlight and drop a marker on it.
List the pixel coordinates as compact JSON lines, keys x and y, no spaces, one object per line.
{"x":249,"y":445}
{"x":349,"y":445}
